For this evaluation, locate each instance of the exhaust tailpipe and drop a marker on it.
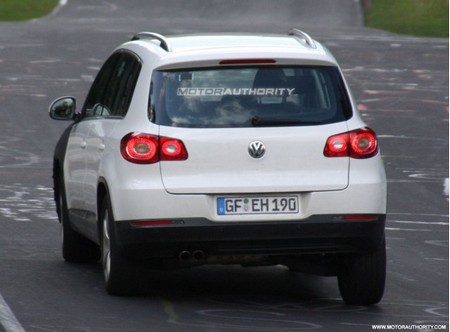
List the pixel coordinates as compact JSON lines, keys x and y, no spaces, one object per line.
{"x":198,"y":255}
{"x":184,"y":255}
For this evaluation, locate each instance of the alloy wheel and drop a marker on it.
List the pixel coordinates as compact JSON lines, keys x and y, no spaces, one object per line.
{"x":106,"y":247}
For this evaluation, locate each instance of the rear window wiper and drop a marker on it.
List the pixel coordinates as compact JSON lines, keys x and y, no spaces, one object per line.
{"x":261,"y":122}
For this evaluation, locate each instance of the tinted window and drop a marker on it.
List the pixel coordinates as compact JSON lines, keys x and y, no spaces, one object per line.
{"x":245,"y":97}
{"x":112,"y":90}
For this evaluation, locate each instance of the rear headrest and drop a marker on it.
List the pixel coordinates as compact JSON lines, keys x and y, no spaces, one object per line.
{"x":270,"y":78}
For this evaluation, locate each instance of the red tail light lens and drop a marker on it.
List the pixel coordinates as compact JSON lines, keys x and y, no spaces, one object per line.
{"x":359,"y":144}
{"x":337,"y":146}
{"x":363,"y":143}
{"x":143,"y":148}
{"x":140,"y":148}
{"x":172,"y":149}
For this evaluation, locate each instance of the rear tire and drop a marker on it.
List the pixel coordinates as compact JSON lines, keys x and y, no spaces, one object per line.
{"x":75,"y":247}
{"x":362,"y":277}
{"x":122,"y":276}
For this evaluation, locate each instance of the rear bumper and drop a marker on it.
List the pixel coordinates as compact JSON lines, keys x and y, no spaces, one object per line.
{"x":321,"y":234}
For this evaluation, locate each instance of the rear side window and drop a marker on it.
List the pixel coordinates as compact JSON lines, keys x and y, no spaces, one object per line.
{"x":248,"y":97}
{"x":112,"y":90}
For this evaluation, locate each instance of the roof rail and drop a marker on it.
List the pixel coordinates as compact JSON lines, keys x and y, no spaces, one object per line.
{"x":303,"y":36}
{"x":165,"y":45}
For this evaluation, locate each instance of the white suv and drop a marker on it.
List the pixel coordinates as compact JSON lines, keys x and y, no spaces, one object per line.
{"x":222,"y":149}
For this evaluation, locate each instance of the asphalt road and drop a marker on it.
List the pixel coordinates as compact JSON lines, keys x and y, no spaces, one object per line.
{"x":400,"y":84}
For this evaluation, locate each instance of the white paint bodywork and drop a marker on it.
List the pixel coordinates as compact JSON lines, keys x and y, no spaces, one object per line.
{"x":218,"y":162}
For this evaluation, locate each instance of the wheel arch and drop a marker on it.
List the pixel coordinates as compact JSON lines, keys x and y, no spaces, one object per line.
{"x":57,"y":178}
{"x":102,"y":192}
{"x":58,"y":165}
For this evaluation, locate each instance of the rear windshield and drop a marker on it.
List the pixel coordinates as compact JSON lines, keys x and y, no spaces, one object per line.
{"x":248,"y":97}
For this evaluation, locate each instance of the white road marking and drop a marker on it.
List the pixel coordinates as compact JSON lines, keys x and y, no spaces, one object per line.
{"x":412,"y":223}
{"x":7,"y":318}
{"x":407,"y":229}
{"x":419,"y":214}
{"x":20,"y":202}
{"x":61,"y":3}
{"x":419,"y":222}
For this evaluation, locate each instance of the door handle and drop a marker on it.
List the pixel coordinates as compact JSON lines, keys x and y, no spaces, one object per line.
{"x":83,"y":145}
{"x":102,"y":146}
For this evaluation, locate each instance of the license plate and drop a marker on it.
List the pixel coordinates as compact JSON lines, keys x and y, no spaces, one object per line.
{"x":257,"y":205}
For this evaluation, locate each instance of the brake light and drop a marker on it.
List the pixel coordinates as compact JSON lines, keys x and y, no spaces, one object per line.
{"x":359,"y":144}
{"x":246,"y":61}
{"x":143,"y":148}
{"x":140,"y":148}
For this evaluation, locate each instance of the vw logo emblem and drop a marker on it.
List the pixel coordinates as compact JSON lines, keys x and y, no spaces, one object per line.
{"x":256,"y":149}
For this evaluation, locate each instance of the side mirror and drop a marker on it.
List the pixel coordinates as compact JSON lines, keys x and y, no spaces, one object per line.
{"x":63,"y":108}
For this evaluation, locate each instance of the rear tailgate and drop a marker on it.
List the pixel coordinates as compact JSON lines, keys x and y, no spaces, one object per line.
{"x":219,"y":161}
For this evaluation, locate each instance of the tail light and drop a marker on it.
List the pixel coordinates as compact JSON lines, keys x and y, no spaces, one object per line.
{"x":359,"y":144}
{"x":143,"y":148}
{"x":172,"y":149}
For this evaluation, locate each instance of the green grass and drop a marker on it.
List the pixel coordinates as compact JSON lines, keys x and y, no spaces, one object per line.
{"x":423,"y":18}
{"x":22,"y":10}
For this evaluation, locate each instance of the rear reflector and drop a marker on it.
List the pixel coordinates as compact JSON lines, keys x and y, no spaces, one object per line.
{"x":150,"y":223}
{"x":246,"y":61}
